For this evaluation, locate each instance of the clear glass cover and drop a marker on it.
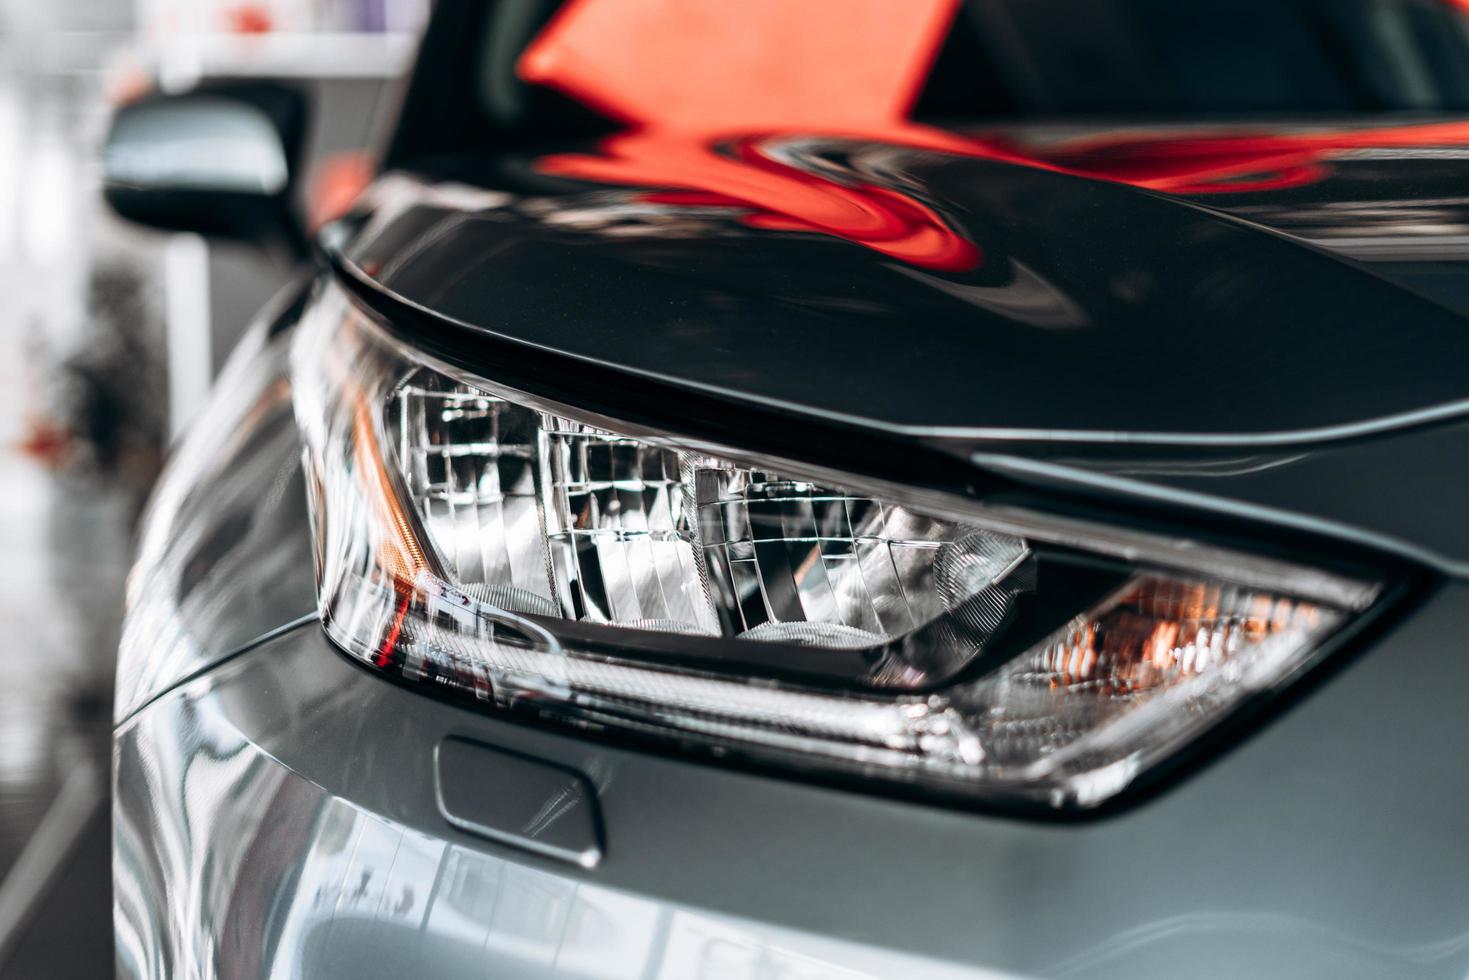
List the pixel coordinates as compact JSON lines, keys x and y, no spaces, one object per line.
{"x":472,"y":537}
{"x":546,"y":515}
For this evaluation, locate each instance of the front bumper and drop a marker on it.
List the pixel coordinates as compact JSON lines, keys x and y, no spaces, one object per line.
{"x":276,"y":817}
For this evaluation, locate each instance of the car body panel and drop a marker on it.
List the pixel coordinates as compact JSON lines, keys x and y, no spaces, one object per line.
{"x":1315,"y":333}
{"x":1248,"y":334}
{"x":1355,"y":487}
{"x":1087,"y":310}
{"x":1258,"y":325}
{"x":225,"y":552}
{"x":247,"y":848}
{"x":275,"y":811}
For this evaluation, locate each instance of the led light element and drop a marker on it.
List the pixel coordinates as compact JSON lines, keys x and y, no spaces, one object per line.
{"x":538,"y":560}
{"x":545,"y":515}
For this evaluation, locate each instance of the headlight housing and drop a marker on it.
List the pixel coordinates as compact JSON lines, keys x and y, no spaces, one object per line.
{"x":595,"y":574}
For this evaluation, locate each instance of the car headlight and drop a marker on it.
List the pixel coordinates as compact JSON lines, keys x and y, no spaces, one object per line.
{"x":537,"y":559}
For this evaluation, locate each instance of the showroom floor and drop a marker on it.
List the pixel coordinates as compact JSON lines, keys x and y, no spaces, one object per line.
{"x":65,"y":521}
{"x":61,"y":565}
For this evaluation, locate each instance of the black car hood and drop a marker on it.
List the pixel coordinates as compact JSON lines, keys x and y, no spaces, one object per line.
{"x":998,"y":294}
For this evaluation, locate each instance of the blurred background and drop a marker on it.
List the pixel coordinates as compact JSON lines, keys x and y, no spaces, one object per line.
{"x":101,"y":361}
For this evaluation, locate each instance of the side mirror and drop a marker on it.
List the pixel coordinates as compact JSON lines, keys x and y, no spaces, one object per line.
{"x":220,"y":161}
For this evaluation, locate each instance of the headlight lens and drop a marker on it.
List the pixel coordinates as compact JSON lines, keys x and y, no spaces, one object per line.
{"x":478,"y":539}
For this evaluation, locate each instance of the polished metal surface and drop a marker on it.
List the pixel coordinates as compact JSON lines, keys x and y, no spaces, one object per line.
{"x":223,"y":557}
{"x":258,"y":870}
{"x":276,"y":818}
{"x":517,"y":800}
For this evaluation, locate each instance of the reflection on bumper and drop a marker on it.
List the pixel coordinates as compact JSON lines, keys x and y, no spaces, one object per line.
{"x":229,"y":863}
{"x":277,"y":817}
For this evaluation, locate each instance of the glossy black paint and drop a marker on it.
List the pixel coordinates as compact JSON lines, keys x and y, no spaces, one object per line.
{"x":1098,"y":309}
{"x":1220,"y":362}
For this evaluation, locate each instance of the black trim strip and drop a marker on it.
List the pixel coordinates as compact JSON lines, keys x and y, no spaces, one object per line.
{"x":650,"y":401}
{"x":869,"y":451}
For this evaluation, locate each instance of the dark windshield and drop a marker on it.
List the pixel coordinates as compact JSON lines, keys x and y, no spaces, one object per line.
{"x":1016,"y":61}
{"x":1029,"y":58}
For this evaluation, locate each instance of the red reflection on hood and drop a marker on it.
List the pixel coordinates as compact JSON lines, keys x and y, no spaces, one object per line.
{"x":693,"y":79}
{"x":775,"y":195}
{"x":1193,"y":162}
{"x":687,"y":74}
